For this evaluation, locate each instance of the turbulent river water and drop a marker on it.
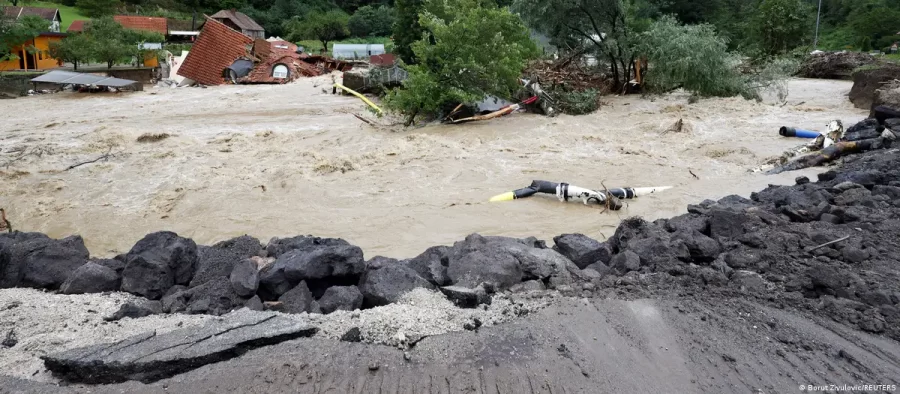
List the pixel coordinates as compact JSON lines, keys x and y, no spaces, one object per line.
{"x":292,"y":159}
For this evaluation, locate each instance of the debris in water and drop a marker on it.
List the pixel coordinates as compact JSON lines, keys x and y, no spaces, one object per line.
{"x":566,"y":192}
{"x":151,"y":137}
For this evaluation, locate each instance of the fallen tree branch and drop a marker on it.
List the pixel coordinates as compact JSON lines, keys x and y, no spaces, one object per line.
{"x":829,"y":243}
{"x":832,"y":153}
{"x":104,"y":157}
{"x":364,"y":120}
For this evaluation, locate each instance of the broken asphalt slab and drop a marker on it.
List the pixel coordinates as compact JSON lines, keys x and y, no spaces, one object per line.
{"x":149,"y":357}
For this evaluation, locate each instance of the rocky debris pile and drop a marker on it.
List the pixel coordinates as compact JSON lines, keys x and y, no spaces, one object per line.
{"x":834,"y":65}
{"x":149,"y":357}
{"x":301,"y":274}
{"x":867,"y":81}
{"x":830,"y":248}
{"x":888,"y":95}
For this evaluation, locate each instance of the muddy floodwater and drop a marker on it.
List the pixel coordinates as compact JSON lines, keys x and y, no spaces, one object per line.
{"x":288,"y":160}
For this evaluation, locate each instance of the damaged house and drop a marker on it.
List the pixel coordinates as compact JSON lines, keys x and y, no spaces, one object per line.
{"x":224,"y":55}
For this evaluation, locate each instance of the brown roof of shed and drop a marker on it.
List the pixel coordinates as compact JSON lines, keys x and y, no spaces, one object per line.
{"x":240,"y":19}
{"x":77,"y":26}
{"x":217,"y":47}
{"x":143,"y":23}
{"x":17,"y":12}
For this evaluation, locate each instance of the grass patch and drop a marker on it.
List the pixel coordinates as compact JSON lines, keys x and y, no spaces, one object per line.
{"x":893,"y":57}
{"x":314,"y":46}
{"x":68,"y":14}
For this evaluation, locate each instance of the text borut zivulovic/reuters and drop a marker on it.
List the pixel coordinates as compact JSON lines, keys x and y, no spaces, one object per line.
{"x":861,"y":388}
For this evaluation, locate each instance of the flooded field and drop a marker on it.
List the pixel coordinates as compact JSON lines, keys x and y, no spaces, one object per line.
{"x":287,"y":160}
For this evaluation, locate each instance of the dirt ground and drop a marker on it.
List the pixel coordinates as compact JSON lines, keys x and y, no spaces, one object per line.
{"x":285,"y":160}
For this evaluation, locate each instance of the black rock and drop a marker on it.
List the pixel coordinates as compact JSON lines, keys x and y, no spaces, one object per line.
{"x":10,"y":340}
{"x":279,"y":246}
{"x":35,"y":260}
{"x":742,"y":259}
{"x":214,"y":263}
{"x":876,"y":298}
{"x":245,"y":278}
{"x":828,"y":278}
{"x":297,"y":300}
{"x":702,"y":249}
{"x":600,"y":268}
{"x":149,"y":357}
{"x":216,"y":297}
{"x":801,"y":180}
{"x":158,"y":262}
{"x":582,"y":250}
{"x":688,"y":223}
{"x":432,"y":265}
{"x":749,"y":281}
{"x":829,"y":218}
{"x":344,"y":298}
{"x":254,"y":304}
{"x":478,"y":260}
{"x":386,"y":280}
{"x":244,"y":246}
{"x":726,"y":224}
{"x":626,"y":261}
{"x":531,"y":285}
{"x":464,"y":297}
{"x":91,"y":278}
{"x":136,"y":309}
{"x":175,"y":299}
{"x":854,"y":255}
{"x":315,"y":262}
{"x":352,"y":335}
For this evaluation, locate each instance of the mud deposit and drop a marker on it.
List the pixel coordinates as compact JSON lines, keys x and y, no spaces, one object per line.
{"x":284,"y":160}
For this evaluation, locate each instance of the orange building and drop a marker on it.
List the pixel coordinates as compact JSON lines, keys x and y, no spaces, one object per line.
{"x":40,"y":60}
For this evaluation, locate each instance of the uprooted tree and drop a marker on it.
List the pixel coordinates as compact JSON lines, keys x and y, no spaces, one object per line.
{"x":610,"y":27}
{"x":470,"y":50}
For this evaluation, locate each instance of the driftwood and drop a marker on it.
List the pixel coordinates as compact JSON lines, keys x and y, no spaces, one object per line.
{"x":832,"y":153}
{"x":103,"y":157}
{"x":828,"y":243}
{"x":496,"y":114}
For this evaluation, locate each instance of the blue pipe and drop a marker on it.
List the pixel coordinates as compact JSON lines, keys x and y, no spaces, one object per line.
{"x":799,"y":133}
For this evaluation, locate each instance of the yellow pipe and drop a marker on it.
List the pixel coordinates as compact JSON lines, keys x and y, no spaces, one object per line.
{"x":361,"y":97}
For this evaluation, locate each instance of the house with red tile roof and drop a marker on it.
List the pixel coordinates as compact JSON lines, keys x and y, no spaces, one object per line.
{"x":240,"y":22}
{"x":143,"y":23}
{"x":217,"y":47}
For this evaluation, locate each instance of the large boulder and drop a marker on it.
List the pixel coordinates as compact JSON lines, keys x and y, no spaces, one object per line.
{"x":478,"y":260}
{"x":886,"y":102}
{"x":834,"y":65}
{"x":244,"y":246}
{"x":339,"y":262}
{"x":582,"y":250}
{"x":214,"y":263}
{"x":158,"y":262}
{"x":216,"y":297}
{"x":297,"y":300}
{"x":386,"y":280}
{"x":35,"y":260}
{"x":91,"y":278}
{"x":432,"y":265}
{"x":279,"y":246}
{"x":343,"y":298}
{"x":245,"y":278}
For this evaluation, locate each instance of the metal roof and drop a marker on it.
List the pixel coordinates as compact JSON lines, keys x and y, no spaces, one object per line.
{"x":356,"y":51}
{"x":68,"y":77}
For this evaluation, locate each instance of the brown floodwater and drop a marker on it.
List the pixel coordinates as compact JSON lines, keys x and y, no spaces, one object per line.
{"x":288,"y":160}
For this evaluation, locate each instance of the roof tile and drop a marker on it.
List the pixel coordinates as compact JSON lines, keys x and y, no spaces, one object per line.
{"x":217,"y":47}
{"x":143,"y":23}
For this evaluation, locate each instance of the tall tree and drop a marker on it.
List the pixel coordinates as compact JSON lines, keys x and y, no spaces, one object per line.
{"x":15,"y":33}
{"x":75,"y":49}
{"x":406,"y":28}
{"x":108,"y":41}
{"x":609,"y":27}
{"x":469,"y":52}
{"x":781,"y":24}
{"x":371,"y":21}
{"x":323,"y":26}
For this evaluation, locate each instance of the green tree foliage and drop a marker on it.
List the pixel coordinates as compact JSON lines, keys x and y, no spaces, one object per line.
{"x":696,"y":58}
{"x":75,"y":49}
{"x":608,"y":26}
{"x":406,"y":28}
{"x":873,"y":22}
{"x":369,"y":21}
{"x":781,"y":24}
{"x":109,"y":43}
{"x":14,"y":33}
{"x":97,"y":8}
{"x":323,"y":26}
{"x":472,"y":52}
